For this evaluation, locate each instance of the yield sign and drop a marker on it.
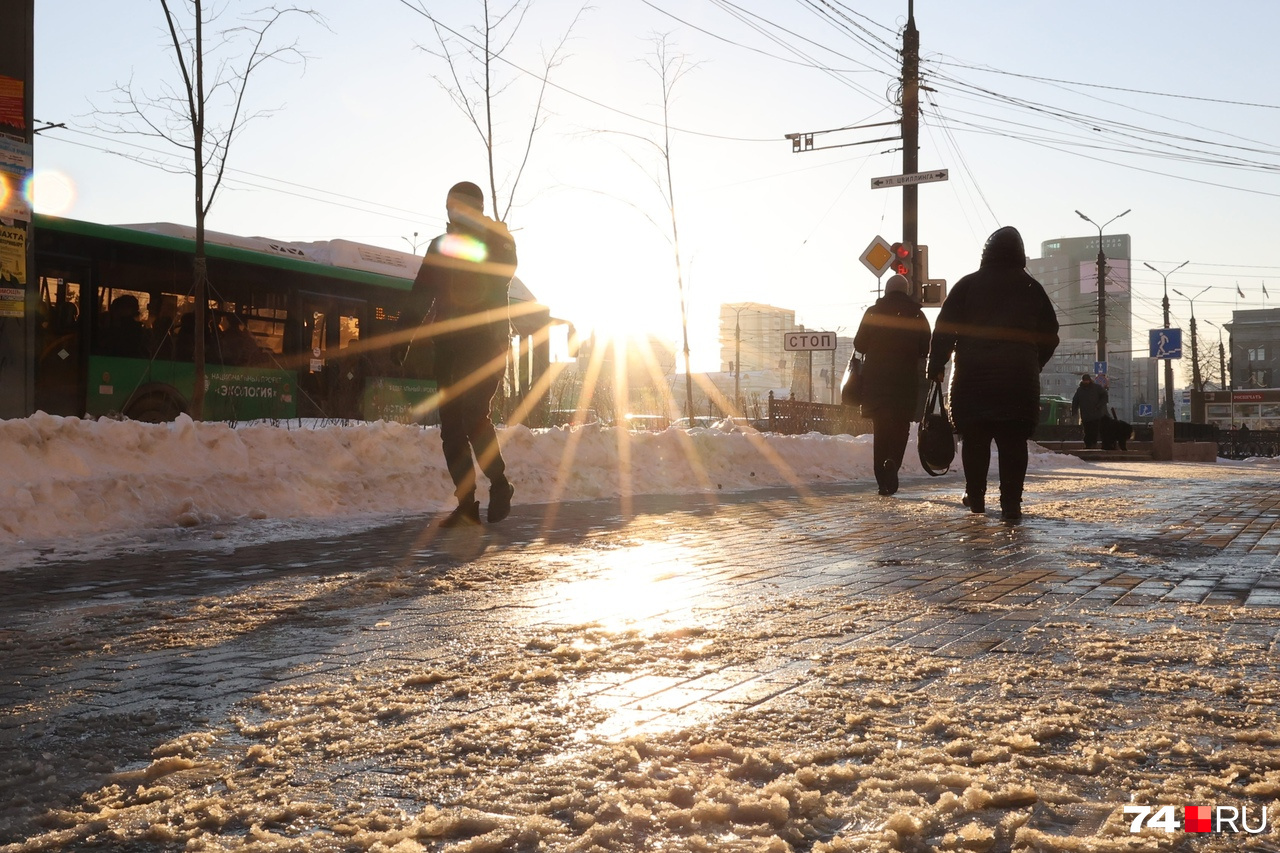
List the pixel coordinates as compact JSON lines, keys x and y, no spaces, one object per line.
{"x":876,"y":256}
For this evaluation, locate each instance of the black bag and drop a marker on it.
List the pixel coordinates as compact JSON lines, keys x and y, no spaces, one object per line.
{"x":851,"y":383}
{"x":934,"y":439}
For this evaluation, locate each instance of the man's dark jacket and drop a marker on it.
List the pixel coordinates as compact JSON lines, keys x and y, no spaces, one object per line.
{"x":1090,"y":400}
{"x":464,"y":280}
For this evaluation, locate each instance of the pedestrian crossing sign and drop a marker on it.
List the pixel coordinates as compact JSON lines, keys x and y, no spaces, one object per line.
{"x":1166,"y":343}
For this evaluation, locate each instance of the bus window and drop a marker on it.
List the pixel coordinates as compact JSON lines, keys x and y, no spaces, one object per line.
{"x":348,"y":331}
{"x":121,"y":325}
{"x":267,"y":326}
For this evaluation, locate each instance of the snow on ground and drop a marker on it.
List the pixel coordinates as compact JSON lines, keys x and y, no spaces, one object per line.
{"x":73,"y":487}
{"x":503,"y":733}
{"x":504,"y":739}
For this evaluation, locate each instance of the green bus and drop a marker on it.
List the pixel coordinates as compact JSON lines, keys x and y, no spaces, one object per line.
{"x":295,"y":330}
{"x":1055,"y":410}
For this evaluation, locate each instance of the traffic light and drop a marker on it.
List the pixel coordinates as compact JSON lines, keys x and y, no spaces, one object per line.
{"x":901,"y":263}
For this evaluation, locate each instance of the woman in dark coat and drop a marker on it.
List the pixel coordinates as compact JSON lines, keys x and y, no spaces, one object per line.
{"x":1001,"y":326}
{"x":894,"y":336}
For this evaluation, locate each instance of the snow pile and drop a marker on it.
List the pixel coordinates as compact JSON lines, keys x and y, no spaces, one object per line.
{"x":68,"y":478}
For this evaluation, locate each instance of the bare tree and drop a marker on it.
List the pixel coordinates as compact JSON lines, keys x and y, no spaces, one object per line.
{"x":1200,"y":363}
{"x":670,"y":67}
{"x":477,"y":74}
{"x":206,"y":113}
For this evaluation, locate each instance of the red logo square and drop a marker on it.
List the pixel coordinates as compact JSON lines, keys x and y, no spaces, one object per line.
{"x":1197,"y":819}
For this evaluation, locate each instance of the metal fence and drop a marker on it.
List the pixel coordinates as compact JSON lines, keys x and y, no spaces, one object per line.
{"x":797,"y":417}
{"x":790,"y":416}
{"x":1243,"y":444}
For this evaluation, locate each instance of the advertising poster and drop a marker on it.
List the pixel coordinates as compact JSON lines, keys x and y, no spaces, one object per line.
{"x":11,"y":112}
{"x":15,"y":168}
{"x":13,"y":256}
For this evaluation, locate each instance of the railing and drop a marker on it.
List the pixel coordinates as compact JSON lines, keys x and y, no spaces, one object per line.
{"x":796,"y":417}
{"x":1243,"y":444}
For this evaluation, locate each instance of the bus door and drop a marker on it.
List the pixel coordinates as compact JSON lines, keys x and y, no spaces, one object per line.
{"x":61,"y":350}
{"x":331,"y":373}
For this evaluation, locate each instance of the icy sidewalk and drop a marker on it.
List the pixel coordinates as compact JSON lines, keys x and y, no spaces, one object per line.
{"x":837,"y":672}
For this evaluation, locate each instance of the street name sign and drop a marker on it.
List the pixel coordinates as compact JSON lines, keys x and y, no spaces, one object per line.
{"x":913,"y":178}
{"x":877,"y":256}
{"x":808,"y":341}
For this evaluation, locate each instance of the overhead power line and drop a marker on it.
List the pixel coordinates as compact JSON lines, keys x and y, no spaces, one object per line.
{"x":989,"y":70}
{"x":435,"y":21}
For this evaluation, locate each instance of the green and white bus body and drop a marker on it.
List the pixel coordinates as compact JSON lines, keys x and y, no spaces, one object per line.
{"x":295,"y":330}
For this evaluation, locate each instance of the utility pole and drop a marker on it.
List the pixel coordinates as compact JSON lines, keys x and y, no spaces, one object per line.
{"x":1195,"y":359}
{"x":1102,"y":285}
{"x":1231,"y":377}
{"x":1168,"y":362}
{"x":1195,"y":356}
{"x":737,"y":362}
{"x":1222,"y":361}
{"x":911,"y":139}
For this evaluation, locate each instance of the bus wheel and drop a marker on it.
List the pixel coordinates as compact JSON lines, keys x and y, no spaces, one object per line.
{"x":154,"y":405}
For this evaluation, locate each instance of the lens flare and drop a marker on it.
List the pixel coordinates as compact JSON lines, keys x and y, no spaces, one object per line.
{"x":50,"y":192}
{"x":463,"y":247}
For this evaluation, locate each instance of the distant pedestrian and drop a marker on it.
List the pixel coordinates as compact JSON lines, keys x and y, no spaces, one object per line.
{"x":1002,"y":328}
{"x":894,"y":337}
{"x":1090,"y":401}
{"x":460,"y":295}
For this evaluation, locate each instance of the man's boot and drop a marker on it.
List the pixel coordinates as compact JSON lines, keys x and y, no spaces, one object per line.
{"x":500,"y":500}
{"x":466,"y":515}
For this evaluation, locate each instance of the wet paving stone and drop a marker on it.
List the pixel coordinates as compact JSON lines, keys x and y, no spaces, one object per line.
{"x":807,"y":578}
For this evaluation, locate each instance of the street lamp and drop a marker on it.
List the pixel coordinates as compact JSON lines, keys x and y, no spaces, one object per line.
{"x":1195,"y":361}
{"x":1168,"y":362}
{"x":1222,"y":369}
{"x":737,"y":356}
{"x":1102,"y":284}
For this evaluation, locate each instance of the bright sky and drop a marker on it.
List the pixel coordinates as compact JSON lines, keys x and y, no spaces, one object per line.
{"x":1049,"y":108}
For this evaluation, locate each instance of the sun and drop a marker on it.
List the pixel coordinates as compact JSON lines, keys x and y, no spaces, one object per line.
{"x":630,"y":321}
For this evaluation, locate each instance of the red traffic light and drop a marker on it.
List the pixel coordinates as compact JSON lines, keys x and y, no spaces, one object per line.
{"x":901,"y":263}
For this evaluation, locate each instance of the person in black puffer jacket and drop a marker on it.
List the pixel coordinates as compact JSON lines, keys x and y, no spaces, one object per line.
{"x":894,"y":335}
{"x":1002,"y":328}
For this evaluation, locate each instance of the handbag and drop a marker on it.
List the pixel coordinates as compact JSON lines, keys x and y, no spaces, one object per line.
{"x":851,"y":382}
{"x":935,"y":440}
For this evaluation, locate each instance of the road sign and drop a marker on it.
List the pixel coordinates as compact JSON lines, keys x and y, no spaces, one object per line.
{"x":876,"y":256}
{"x":1099,"y":367}
{"x":933,"y":291}
{"x":1146,"y":410}
{"x":1166,"y":343}
{"x":808,"y":341}
{"x":914,"y":178}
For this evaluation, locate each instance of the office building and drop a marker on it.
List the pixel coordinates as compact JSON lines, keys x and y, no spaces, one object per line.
{"x":1068,"y":269}
{"x":751,"y":332}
